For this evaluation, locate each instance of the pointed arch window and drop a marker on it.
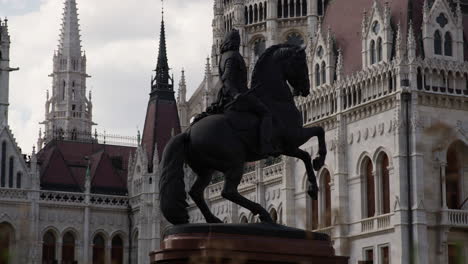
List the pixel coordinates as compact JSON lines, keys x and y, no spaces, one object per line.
{"x":448,"y":44}
{"x":98,"y":249}
{"x":3,"y":169}
{"x":298,"y":7}
{"x":64,"y":84}
{"x":369,"y":185}
{"x":379,"y":49}
{"x":117,"y":250}
{"x":280,"y":8}
{"x":304,"y":7}
{"x":274,"y":215}
{"x":255,"y":13}
{"x":453,"y":178}
{"x":68,"y":248}
{"x":286,"y":9}
{"x":317,"y":75}
{"x":48,"y":248}
{"x":324,"y":73}
{"x":385,"y":184}
{"x":265,"y":10}
{"x":260,"y":12}
{"x":244,"y":220}
{"x":18,"y":180}
{"x":246,"y":16}
{"x":320,"y":7}
{"x":251,"y":15}
{"x":291,"y":8}
{"x":11,"y":170}
{"x":437,"y":43}
{"x":315,"y":215}
{"x":372,"y":52}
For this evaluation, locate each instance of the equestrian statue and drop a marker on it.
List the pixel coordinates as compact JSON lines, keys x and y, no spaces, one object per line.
{"x":243,"y":125}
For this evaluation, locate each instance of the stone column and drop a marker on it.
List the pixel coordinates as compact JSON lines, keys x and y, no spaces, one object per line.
{"x":272,"y":23}
{"x":287,"y":192}
{"x":443,"y":166}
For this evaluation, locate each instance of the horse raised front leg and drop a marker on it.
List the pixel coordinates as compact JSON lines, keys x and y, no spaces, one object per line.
{"x":196,"y":192}
{"x":305,"y":157}
{"x":318,"y":132}
{"x":231,"y":193}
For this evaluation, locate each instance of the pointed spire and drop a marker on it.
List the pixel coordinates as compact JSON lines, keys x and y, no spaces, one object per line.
{"x":411,"y":42}
{"x":207,"y":66}
{"x":161,"y":81}
{"x":339,"y":66}
{"x":70,"y":42}
{"x":181,"y":98}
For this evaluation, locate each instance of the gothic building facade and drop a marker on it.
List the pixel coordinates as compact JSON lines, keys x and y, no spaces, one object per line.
{"x":389,"y":83}
{"x":81,"y":197}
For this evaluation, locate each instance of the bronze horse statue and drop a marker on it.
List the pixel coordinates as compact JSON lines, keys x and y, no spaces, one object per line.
{"x":223,"y":142}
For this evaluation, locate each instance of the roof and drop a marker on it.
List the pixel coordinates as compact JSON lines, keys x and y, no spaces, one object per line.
{"x":63,"y":166}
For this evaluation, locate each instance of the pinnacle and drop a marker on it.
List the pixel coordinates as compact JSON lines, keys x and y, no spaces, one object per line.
{"x":70,"y":42}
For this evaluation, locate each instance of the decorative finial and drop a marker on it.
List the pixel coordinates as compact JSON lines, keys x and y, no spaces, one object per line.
{"x":162,"y":9}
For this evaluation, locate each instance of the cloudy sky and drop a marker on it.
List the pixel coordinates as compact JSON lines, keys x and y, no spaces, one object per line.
{"x":120,"y":38}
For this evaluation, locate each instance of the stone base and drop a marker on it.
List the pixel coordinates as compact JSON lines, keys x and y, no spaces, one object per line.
{"x":244,"y":244}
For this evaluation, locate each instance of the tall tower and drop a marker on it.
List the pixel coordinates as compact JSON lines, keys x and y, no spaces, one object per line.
{"x":68,"y":112}
{"x":4,"y":71}
{"x":162,"y":119}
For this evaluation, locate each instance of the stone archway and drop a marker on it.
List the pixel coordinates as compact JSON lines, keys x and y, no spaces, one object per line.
{"x":7,"y":242}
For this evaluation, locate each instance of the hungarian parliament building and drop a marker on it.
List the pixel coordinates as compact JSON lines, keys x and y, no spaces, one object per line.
{"x":389,"y":84}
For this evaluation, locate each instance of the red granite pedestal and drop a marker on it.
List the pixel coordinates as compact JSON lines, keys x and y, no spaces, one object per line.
{"x":214,"y":247}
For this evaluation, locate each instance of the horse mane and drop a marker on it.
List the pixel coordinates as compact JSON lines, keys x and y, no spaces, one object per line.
{"x":280,"y":50}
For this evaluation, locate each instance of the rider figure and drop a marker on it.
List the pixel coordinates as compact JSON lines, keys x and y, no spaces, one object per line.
{"x":233,"y":74}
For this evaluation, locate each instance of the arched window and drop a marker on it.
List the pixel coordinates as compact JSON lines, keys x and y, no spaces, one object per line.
{"x":48,"y":248}
{"x":255,"y":13}
{"x":244,"y":220}
{"x":68,"y":248}
{"x":7,"y":237}
{"x":369,"y":185}
{"x":74,"y":134}
{"x":251,"y":15}
{"x":18,"y":180}
{"x":3,"y":169}
{"x":448,"y":44}
{"x":453,"y":178}
{"x":135,"y":245}
{"x":246,"y":16}
{"x":274,"y":215}
{"x":437,"y":43}
{"x":320,"y":7}
{"x":304,"y":7}
{"x":260,"y":12}
{"x":286,"y":9}
{"x":372,"y":52}
{"x":265,"y":11}
{"x":385,"y":184}
{"x":291,"y":8}
{"x":1,"y":55}
{"x":99,"y":249}
{"x":64,"y":84}
{"x":280,"y":8}
{"x":317,"y":75}
{"x":326,"y":196}
{"x":298,"y":7}
{"x":11,"y":170}
{"x":379,"y":49}
{"x":324,"y":73}
{"x":117,"y":250}
{"x":419,"y":79}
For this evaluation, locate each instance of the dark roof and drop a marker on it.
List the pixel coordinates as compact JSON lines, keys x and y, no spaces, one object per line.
{"x":162,"y":122}
{"x":63,"y":166}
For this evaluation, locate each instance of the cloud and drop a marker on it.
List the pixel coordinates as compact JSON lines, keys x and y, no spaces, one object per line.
{"x":121,"y":43}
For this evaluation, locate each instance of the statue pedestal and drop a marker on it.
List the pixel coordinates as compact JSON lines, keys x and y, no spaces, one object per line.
{"x":244,"y":244}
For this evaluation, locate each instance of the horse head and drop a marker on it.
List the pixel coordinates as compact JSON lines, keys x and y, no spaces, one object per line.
{"x":295,"y":69}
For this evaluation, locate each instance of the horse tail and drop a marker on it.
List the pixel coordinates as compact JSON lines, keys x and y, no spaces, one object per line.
{"x":172,"y":195}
